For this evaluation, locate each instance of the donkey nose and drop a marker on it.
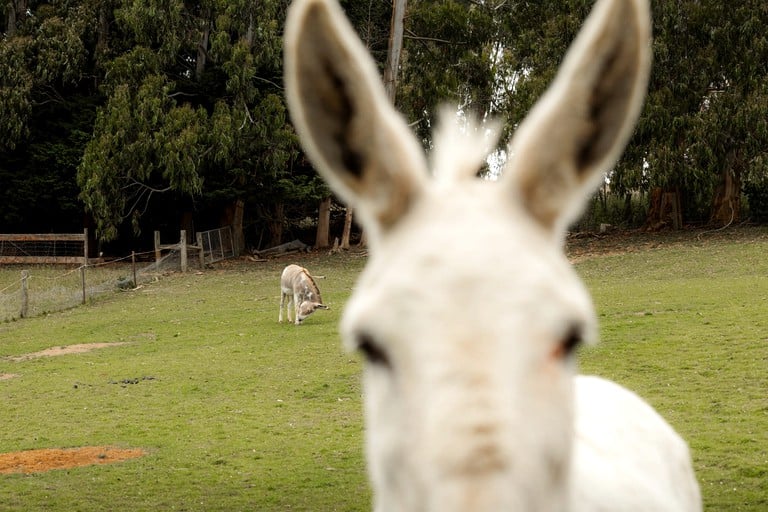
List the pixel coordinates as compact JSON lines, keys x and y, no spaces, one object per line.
{"x":482,"y":453}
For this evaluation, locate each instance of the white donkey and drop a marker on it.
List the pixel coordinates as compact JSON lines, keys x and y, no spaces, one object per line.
{"x":300,"y":293}
{"x":471,"y":398}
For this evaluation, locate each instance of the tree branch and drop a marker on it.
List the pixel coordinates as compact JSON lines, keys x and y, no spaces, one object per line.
{"x":411,"y":35}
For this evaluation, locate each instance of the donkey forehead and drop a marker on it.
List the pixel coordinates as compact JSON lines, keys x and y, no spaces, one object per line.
{"x":464,"y":251}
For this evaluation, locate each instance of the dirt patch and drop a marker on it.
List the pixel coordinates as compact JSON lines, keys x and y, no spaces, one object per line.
{"x":38,"y":461}
{"x":6,"y":376}
{"x":60,"y":351}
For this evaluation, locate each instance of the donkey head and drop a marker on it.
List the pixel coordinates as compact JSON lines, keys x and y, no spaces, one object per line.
{"x":308,"y":307}
{"x":468,"y":312}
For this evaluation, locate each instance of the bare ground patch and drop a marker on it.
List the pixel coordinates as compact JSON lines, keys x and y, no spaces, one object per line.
{"x":38,"y":461}
{"x":7,"y":376}
{"x":63,"y":350}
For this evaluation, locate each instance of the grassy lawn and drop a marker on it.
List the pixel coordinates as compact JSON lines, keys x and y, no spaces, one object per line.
{"x":237,"y":412}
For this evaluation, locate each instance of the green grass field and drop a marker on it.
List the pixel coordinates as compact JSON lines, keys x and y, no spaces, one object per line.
{"x":238,"y":412}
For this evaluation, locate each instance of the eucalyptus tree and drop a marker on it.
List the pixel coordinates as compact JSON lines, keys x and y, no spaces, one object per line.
{"x":729,"y":133}
{"x":46,"y":110}
{"x":193,"y":107}
{"x":702,"y":134}
{"x":704,"y":127}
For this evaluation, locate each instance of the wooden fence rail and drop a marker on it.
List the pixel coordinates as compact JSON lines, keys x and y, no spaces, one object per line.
{"x":42,"y":248}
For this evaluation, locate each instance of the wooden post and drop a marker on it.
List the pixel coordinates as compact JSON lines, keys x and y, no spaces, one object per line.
{"x":24,"y":294}
{"x":133,"y":266}
{"x":183,"y":249}
{"x":346,"y":233}
{"x":82,"y":275}
{"x":323,"y":223}
{"x":157,"y":248}
{"x":201,"y":253}
{"x":85,"y":246}
{"x":221,"y":244}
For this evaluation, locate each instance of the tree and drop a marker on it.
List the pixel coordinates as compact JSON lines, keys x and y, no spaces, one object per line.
{"x":703,"y":129}
{"x":47,"y":109}
{"x":194,"y":109}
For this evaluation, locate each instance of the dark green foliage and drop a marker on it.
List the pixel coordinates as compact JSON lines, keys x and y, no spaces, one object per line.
{"x":757,"y":196}
{"x":140,"y":113}
{"x":185,"y":104}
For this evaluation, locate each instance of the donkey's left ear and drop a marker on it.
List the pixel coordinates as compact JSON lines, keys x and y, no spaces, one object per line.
{"x":349,"y":129}
{"x":578,"y":129}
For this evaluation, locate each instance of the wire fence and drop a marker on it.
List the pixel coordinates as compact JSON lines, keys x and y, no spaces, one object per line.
{"x":217,"y":244}
{"x":32,"y":290}
{"x":38,"y":275}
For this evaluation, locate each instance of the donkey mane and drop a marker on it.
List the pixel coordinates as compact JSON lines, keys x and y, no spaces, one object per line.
{"x":313,"y":284}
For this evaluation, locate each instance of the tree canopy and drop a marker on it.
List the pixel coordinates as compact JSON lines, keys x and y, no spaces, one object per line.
{"x":131,"y":114}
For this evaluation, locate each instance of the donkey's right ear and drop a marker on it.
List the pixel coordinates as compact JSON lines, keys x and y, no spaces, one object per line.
{"x":348,"y":128}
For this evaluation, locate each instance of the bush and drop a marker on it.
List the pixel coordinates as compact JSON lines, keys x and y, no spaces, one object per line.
{"x":614,"y":210}
{"x":757,"y":197}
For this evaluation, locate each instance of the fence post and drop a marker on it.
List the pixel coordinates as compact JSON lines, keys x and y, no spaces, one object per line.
{"x":183,"y":247}
{"x":157,"y":248}
{"x":199,"y":237}
{"x":24,"y":294}
{"x":85,"y":246}
{"x":133,"y":266}
{"x":82,"y":275}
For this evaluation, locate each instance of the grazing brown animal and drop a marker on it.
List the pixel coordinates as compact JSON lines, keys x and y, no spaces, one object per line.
{"x":300,"y":293}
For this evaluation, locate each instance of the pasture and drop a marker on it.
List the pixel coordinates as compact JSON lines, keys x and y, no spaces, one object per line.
{"x":236,"y":412}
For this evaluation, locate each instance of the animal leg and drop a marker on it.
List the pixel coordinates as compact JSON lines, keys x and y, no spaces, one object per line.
{"x":289,"y":306}
{"x":296,"y":304}
{"x":282,"y":304}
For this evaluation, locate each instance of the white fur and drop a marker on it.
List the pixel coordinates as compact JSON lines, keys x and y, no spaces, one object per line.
{"x":460,"y":151}
{"x":654,"y":472}
{"x":467,"y":304}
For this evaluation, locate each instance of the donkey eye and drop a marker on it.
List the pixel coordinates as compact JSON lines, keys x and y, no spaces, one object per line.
{"x":570,"y":342}
{"x":372,"y":351}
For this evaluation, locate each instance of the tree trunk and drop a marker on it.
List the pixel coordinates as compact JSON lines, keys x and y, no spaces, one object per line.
{"x":323,"y":223}
{"x":102,"y":33}
{"x":726,"y":203}
{"x":345,"y":235}
{"x":665,"y":210}
{"x":10,"y":28}
{"x":202,"y":51}
{"x":249,"y":32}
{"x":363,"y":239}
{"x":628,"y":217}
{"x":15,"y":9}
{"x":233,"y":217}
{"x":188,"y":225}
{"x":394,"y":48}
{"x":238,"y":237}
{"x":275,"y":225}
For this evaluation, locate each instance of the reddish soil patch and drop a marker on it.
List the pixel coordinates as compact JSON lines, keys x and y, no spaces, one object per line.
{"x":38,"y":461}
{"x":60,"y":351}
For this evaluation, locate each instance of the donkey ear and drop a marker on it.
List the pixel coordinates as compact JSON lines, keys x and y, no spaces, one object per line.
{"x":579,"y":127}
{"x":348,"y":128}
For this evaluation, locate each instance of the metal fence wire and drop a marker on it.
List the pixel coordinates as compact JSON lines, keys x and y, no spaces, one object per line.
{"x":217,"y":244}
